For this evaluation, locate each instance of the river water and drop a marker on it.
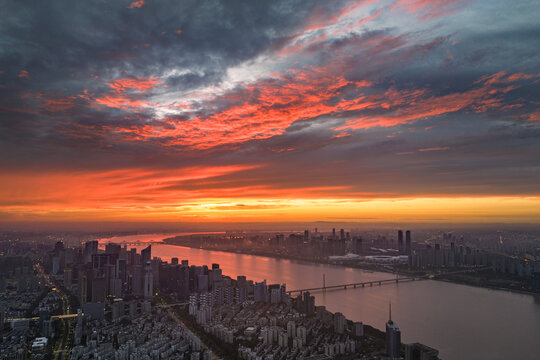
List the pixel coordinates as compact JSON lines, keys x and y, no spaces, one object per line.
{"x":462,"y":322}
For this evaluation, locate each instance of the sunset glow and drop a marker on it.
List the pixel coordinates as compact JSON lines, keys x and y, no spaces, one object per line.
{"x":360,"y":111}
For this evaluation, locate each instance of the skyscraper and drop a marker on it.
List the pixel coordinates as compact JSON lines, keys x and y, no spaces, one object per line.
{"x":419,"y":351}
{"x":148,"y":282}
{"x":393,"y":337}
{"x":260,"y":292}
{"x":146,"y":255}
{"x":90,"y":248}
{"x":339,"y":323}
{"x":408,"y":242}
{"x":2,"y":318}
{"x":400,"y":241}
{"x":309,"y":303}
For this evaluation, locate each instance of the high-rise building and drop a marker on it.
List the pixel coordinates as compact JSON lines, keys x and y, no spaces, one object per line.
{"x":241,"y":281}
{"x":358,"y":329}
{"x":136,"y":284}
{"x":90,"y":248}
{"x":68,"y":278}
{"x":112,"y":248}
{"x":146,"y":255}
{"x":133,"y":308}
{"x":408,"y":242}
{"x":393,"y":337}
{"x":419,"y":351}
{"x":291,"y":329}
{"x":301,"y":333}
{"x":2,"y":318}
{"x":339,"y":323}
{"x":148,"y":282}
{"x":309,"y":304}
{"x":100,"y":261}
{"x":83,"y":287}
{"x":202,"y":283}
{"x":131,"y":256}
{"x":260,"y":292}
{"x":357,"y":245}
{"x":99,"y":288}
{"x":117,"y":310}
{"x":400,"y":241}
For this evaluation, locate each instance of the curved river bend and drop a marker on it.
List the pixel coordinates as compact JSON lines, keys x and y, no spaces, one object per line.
{"x":462,"y":322}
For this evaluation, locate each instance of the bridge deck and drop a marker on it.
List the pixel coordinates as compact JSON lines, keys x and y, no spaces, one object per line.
{"x":363,"y":283}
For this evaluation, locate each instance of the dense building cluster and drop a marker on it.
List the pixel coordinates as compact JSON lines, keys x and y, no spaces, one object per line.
{"x":126,"y":304}
{"x":23,"y":295}
{"x":435,"y":251}
{"x":150,"y":334}
{"x":439,"y":256}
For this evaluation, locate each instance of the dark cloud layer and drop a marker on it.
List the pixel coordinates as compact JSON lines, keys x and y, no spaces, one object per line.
{"x":391,"y":98}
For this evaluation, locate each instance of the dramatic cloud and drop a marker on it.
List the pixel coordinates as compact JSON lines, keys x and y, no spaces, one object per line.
{"x":136,"y":4}
{"x":265,"y":106}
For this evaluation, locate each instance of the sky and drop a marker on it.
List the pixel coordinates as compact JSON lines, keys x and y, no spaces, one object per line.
{"x":265,"y":111}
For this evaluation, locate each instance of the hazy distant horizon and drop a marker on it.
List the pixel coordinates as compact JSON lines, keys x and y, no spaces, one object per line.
{"x":322,"y":226}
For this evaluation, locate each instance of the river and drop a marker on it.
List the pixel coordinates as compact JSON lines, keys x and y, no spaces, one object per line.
{"x":462,"y":322}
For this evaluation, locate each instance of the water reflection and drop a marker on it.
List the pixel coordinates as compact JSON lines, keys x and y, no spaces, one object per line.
{"x":462,"y":322}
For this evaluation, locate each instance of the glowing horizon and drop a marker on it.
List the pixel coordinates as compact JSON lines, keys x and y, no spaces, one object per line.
{"x":391,"y":110}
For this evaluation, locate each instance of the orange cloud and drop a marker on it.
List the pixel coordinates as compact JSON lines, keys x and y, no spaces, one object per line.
{"x":23,"y":74}
{"x":120,"y":102}
{"x":535,"y":116}
{"x":140,"y":85}
{"x":136,"y":4}
{"x":126,"y":93}
{"x":263,"y":110}
{"x":413,"y":105}
{"x":125,"y":187}
{"x":59,"y":104}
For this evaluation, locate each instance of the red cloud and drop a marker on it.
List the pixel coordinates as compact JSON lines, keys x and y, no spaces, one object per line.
{"x":261,"y":111}
{"x":406,"y":106}
{"x":120,"y":102}
{"x":429,"y":9}
{"x":138,"y":84}
{"x":122,"y":97}
{"x":136,"y":4}
{"x":115,"y":187}
{"x":502,"y":77}
{"x":270,"y":106}
{"x":535,"y":117}
{"x":320,"y":17}
{"x":59,"y":104}
{"x":23,"y":74}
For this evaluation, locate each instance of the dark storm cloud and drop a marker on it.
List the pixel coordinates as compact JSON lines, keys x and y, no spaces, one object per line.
{"x":66,"y":47}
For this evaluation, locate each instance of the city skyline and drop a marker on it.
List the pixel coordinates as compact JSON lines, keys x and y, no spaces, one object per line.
{"x":194,"y":112}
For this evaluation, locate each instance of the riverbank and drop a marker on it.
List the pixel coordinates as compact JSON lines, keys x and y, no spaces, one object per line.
{"x":369,"y":267}
{"x":465,"y":279}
